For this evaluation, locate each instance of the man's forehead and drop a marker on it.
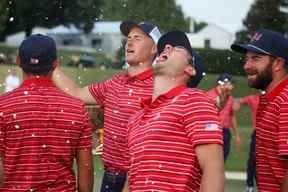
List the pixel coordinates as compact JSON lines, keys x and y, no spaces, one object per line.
{"x":253,"y":54}
{"x":136,"y":31}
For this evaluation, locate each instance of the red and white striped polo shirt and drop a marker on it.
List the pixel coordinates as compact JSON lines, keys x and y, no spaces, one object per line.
{"x":162,"y":139}
{"x":226,"y":113}
{"x":272,"y":138}
{"x":41,"y":129}
{"x":120,"y":97}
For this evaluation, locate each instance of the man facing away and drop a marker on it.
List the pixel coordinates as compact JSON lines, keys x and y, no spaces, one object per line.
{"x":169,"y":139}
{"x":120,"y":98}
{"x":266,"y":69}
{"x":42,"y":129}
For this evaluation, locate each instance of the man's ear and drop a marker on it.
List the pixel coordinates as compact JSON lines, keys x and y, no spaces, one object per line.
{"x":56,"y":63}
{"x":279,"y":64}
{"x":190,"y":70}
{"x":18,"y":61}
{"x":154,"y":50}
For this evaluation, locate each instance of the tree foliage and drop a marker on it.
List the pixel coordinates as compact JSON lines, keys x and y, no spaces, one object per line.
{"x":25,"y":15}
{"x":164,"y":13}
{"x":3,"y":15}
{"x":263,"y":14}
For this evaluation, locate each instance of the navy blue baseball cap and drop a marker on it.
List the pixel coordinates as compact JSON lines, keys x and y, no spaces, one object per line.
{"x":225,"y":77}
{"x":37,"y":50}
{"x":266,"y":42}
{"x":179,"y":38}
{"x":148,"y":28}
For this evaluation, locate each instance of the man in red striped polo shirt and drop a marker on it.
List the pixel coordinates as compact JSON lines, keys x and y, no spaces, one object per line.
{"x":42,"y":129}
{"x":169,"y":139}
{"x":266,"y":68}
{"x":120,"y":97}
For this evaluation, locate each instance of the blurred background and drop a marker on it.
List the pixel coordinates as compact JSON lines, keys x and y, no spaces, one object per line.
{"x":90,"y":44}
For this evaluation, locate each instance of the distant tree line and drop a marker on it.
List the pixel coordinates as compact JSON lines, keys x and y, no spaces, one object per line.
{"x":268,"y":14}
{"x":19,"y":15}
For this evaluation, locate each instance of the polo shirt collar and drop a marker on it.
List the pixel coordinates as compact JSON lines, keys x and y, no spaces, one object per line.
{"x":40,"y":81}
{"x":273,"y":93}
{"x":168,"y":95}
{"x":141,"y":76}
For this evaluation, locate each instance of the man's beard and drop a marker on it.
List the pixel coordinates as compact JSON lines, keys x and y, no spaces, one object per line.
{"x":263,"y":79}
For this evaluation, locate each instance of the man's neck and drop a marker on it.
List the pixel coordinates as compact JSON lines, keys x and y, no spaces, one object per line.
{"x":277,"y":80}
{"x":139,"y":68}
{"x":163,"y":84}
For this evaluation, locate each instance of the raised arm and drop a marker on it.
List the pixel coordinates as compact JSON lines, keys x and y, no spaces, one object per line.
{"x":85,"y":177}
{"x":212,"y":166}
{"x":69,"y":86}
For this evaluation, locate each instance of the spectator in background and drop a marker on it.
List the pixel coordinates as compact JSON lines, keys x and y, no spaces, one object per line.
{"x":43,"y":129}
{"x":226,"y":112}
{"x":266,"y":68}
{"x":252,"y":101}
{"x":12,"y":80}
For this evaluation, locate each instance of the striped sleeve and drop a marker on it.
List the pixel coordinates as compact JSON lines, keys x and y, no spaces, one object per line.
{"x":283,"y":130}
{"x":201,"y":121}
{"x":99,"y":90}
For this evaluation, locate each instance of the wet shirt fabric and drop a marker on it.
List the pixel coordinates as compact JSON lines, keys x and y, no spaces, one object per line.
{"x":41,"y":129}
{"x":252,"y":101}
{"x":162,"y":140}
{"x":120,"y":97}
{"x":226,"y":113}
{"x":272,"y":138}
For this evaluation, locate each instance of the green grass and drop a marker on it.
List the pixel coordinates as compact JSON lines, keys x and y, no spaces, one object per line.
{"x":236,"y":160}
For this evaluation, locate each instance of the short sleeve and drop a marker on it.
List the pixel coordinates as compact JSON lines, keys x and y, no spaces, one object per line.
{"x":201,"y":120}
{"x":99,"y":91}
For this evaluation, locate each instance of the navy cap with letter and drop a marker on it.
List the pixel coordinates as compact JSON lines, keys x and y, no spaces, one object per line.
{"x":148,"y":28}
{"x":266,"y":42}
{"x":179,"y":38}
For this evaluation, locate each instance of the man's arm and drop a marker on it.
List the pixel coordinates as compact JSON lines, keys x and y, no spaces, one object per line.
{"x":236,"y":131}
{"x":1,"y":171}
{"x":70,"y":87}
{"x":212,"y":166}
{"x":284,"y":184}
{"x":85,"y":177}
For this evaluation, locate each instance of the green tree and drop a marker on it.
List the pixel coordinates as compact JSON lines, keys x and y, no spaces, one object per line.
{"x":263,"y":14}
{"x":47,"y":13}
{"x":165,"y":13}
{"x":199,"y":26}
{"x":3,"y":15}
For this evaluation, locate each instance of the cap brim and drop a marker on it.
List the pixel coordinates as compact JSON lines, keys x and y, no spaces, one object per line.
{"x":244,"y":48}
{"x":126,"y":26}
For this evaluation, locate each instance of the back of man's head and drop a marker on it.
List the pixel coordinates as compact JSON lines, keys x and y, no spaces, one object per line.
{"x":37,"y":55}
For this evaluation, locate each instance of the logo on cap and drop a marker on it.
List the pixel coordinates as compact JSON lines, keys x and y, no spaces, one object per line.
{"x":256,"y":37}
{"x":34,"y":61}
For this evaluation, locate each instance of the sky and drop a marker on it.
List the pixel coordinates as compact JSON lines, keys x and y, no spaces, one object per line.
{"x":227,"y":14}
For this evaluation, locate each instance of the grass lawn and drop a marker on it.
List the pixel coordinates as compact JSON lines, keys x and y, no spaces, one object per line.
{"x":237,"y":159}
